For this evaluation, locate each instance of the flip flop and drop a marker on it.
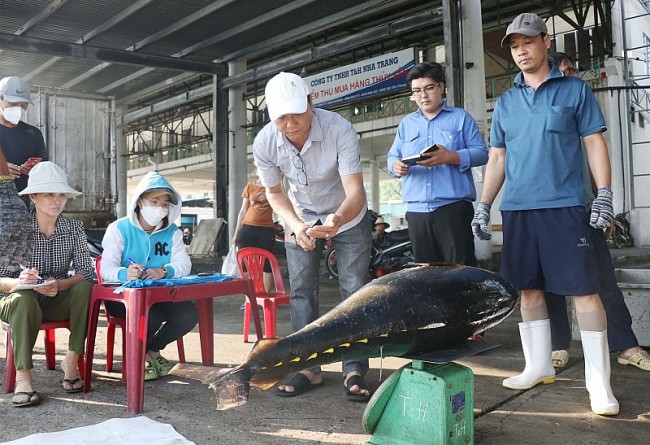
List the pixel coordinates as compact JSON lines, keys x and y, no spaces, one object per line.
{"x":70,"y":385}
{"x":32,"y":399}
{"x":300,"y":383}
{"x":357,"y":380}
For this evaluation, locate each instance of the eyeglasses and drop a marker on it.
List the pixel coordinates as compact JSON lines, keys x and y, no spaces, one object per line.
{"x":429,"y":89}
{"x":156,"y":202}
{"x":302,"y":176}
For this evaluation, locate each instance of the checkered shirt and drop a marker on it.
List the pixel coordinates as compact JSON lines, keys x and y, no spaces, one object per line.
{"x":52,"y":256}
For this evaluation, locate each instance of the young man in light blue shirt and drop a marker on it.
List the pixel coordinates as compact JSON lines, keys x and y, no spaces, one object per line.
{"x":439,"y":190}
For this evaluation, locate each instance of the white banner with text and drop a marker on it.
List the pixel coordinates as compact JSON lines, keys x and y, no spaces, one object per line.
{"x":370,"y":77}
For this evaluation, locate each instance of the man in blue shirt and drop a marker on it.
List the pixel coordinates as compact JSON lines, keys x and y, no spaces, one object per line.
{"x":537,"y":127}
{"x":439,"y":190}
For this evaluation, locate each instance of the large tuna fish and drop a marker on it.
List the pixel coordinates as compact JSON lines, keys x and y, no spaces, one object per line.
{"x":410,"y":312}
{"x":15,"y":223}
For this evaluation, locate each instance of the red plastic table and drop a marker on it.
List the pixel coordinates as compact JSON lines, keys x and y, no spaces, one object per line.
{"x":137,"y":302}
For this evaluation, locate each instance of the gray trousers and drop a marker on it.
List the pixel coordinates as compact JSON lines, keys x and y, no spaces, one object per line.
{"x":25,"y":313}
{"x":353,"y":249}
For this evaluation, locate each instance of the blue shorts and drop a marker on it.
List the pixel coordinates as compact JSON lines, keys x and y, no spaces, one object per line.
{"x":549,"y":249}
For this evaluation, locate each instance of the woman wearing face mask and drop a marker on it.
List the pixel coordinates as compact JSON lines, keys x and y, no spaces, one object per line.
{"x":147,"y":245}
{"x":19,"y":140}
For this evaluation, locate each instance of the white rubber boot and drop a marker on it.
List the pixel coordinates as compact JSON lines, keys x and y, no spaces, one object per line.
{"x":536,"y":343}
{"x":597,"y":373}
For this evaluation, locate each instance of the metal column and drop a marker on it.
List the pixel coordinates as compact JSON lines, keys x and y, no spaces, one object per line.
{"x":238,"y":147}
{"x":474,"y":90}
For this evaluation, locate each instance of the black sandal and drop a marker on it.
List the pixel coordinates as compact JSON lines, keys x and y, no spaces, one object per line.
{"x":357,"y":380}
{"x":300,"y":383}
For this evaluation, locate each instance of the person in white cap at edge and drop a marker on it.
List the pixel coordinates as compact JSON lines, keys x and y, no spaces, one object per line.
{"x":19,"y":140}
{"x":147,"y":245}
{"x":58,"y":241}
{"x":535,"y":139}
{"x":318,"y":152}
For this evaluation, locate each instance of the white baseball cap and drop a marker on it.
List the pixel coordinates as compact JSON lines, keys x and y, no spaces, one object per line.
{"x":286,"y":93}
{"x":47,"y":177}
{"x":15,"y":90}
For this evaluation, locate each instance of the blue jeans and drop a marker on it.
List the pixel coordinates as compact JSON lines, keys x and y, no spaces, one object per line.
{"x":353,"y":258}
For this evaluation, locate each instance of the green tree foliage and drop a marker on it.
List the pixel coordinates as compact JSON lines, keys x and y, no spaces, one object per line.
{"x":390,"y":190}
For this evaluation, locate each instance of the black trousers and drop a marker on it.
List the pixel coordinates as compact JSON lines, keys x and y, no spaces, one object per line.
{"x":444,"y":235}
{"x":619,"y":321}
{"x":167,"y":321}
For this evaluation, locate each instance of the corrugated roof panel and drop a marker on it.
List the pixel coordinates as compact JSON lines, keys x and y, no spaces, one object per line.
{"x":149,"y":20}
{"x":74,"y":19}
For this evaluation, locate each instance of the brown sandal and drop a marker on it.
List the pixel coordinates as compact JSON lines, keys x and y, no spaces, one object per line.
{"x":23,"y":398}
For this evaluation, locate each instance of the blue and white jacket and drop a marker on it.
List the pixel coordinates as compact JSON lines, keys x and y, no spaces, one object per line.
{"x":125,"y":238}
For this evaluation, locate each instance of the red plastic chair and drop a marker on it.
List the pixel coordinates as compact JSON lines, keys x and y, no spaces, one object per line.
{"x":9,"y":381}
{"x":112,"y":322}
{"x":253,"y":259}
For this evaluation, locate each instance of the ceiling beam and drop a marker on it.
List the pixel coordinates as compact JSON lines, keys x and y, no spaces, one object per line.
{"x":43,"y":46}
{"x":402,"y":26}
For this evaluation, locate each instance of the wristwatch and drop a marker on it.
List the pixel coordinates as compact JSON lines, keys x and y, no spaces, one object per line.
{"x":164,"y":269}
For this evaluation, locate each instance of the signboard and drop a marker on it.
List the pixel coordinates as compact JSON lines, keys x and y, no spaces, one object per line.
{"x":370,"y":77}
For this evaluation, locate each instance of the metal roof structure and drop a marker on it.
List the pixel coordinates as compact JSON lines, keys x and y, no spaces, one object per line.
{"x":140,"y":51}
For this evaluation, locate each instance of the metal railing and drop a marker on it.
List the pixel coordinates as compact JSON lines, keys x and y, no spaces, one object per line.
{"x":172,"y":154}
{"x":365,"y":112}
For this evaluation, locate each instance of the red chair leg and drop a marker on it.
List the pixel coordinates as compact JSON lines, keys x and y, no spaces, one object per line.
{"x":247,"y":316}
{"x":269,"y":319}
{"x":123,"y":355}
{"x":82,"y":367}
{"x":9,"y":381}
{"x":50,"y":350}
{"x":110,"y":343}
{"x":181,"y":350}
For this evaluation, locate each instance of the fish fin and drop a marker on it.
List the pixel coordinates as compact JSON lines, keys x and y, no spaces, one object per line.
{"x":232,"y":388}
{"x":264,"y":385}
{"x":261,"y":346}
{"x":204,"y":374}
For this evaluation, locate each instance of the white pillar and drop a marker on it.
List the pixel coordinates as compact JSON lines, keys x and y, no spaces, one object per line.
{"x":374,"y":185}
{"x":120,"y":162}
{"x":474,"y":91}
{"x":237,"y":146}
{"x":614,"y":107}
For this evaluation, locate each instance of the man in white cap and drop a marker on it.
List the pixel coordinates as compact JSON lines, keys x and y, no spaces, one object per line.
{"x":535,"y":139}
{"x":22,"y":143}
{"x":318,"y":152}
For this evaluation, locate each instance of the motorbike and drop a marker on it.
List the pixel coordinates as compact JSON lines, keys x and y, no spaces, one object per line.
{"x":622,"y":236}
{"x":383,"y":260}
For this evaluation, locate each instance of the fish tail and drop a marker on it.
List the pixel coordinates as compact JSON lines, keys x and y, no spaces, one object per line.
{"x":232,"y":388}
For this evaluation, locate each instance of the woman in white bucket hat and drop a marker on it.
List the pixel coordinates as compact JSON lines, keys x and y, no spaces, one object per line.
{"x":57,"y":241}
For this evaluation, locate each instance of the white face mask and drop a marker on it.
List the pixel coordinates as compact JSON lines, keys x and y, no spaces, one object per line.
{"x":13,"y":114}
{"x":153,"y":215}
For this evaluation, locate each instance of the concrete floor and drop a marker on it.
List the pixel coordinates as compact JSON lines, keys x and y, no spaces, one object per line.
{"x":557,"y":413}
